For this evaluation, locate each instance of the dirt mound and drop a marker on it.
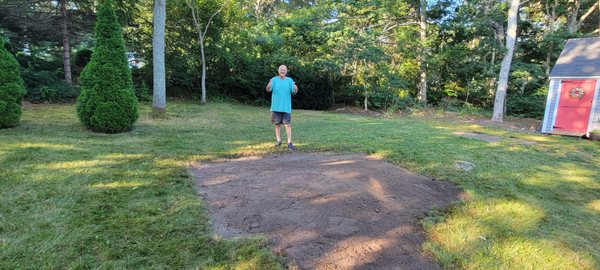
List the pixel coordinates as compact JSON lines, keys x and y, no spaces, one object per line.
{"x":325,"y":211}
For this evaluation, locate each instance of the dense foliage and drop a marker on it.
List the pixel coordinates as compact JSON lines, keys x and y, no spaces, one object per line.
{"x":348,"y":52}
{"x":11,"y":88}
{"x":107,"y":102}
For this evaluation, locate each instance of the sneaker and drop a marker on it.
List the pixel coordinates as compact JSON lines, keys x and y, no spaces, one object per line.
{"x":291,"y":146}
{"x":277,"y":144}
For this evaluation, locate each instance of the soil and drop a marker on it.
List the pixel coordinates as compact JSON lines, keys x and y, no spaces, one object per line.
{"x":478,"y":136}
{"x":325,"y":211}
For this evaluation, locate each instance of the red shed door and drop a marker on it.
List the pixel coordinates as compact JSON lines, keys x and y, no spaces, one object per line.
{"x":575,"y":105}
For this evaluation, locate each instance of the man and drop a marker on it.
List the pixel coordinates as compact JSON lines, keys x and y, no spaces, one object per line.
{"x":281,"y":104}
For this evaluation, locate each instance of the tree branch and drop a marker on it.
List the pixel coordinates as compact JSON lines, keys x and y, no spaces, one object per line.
{"x":587,"y":13}
{"x":193,"y":7}
{"x":196,"y":22}
{"x":211,"y":18}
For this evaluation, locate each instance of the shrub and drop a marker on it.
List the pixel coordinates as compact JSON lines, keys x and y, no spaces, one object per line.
{"x":12,"y":89}
{"x":450,"y":104}
{"x":142,"y":92}
{"x":531,"y":106}
{"x":45,"y":86}
{"x":107,"y":102}
{"x":59,"y":91}
{"x":403,"y":103}
{"x":314,"y":90}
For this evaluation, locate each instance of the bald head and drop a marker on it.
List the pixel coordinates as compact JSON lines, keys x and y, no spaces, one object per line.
{"x":282,"y":71}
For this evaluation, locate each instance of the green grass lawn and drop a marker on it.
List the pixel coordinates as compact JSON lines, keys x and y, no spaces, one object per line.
{"x":71,"y":198}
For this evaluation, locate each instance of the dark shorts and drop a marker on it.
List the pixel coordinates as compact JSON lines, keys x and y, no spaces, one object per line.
{"x":278,"y":118}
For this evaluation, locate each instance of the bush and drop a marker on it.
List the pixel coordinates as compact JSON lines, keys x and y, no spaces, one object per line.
{"x":450,"y":104}
{"x":45,"y":86}
{"x":531,"y":106}
{"x":107,"y":102}
{"x":59,"y":91}
{"x":142,"y":92}
{"x":12,"y":89}
{"x":403,"y":103}
{"x":314,"y":89}
{"x":470,"y":109}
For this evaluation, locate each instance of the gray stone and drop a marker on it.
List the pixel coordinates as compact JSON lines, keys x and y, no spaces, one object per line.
{"x":465,"y":165}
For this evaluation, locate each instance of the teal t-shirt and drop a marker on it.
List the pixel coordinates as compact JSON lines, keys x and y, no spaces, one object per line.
{"x":281,"y":94}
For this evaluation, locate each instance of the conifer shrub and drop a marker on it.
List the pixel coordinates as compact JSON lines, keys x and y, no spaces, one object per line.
{"x":107,"y":102}
{"x":12,"y":88}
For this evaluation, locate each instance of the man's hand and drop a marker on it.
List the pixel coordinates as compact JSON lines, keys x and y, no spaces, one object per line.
{"x":269,"y":85}
{"x":295,"y":89}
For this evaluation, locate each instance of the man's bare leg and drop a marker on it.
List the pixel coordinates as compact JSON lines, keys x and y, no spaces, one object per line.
{"x":278,"y":132}
{"x":288,"y":132}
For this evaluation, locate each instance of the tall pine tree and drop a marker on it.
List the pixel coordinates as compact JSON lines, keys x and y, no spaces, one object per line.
{"x":11,"y":88}
{"x":107,"y":102}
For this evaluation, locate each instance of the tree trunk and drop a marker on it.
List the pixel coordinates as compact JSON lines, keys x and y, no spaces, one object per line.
{"x":572,"y":26}
{"x":366,"y":100}
{"x":575,"y":23}
{"x":548,"y":60}
{"x":423,"y":55}
{"x":201,"y":37}
{"x":159,"y":15}
{"x":366,"y":78}
{"x":511,"y":37}
{"x":66,"y":42}
{"x":551,"y":13}
{"x":203,"y":100}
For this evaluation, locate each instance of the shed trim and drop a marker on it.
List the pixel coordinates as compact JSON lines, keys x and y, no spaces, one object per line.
{"x":548,"y":101}
{"x":593,"y":109}
{"x":557,"y":96}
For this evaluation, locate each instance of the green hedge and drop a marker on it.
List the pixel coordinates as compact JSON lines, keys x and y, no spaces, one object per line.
{"x":12,"y":89}
{"x":107,"y":102}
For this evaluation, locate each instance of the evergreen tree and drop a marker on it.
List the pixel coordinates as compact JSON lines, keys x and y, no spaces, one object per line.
{"x":11,"y":88}
{"x":107,"y":102}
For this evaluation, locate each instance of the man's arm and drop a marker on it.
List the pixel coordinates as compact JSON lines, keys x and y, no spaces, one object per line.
{"x":295,"y":88}
{"x":269,"y":85}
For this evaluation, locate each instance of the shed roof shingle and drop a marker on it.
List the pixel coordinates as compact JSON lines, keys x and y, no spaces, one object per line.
{"x":579,"y":58}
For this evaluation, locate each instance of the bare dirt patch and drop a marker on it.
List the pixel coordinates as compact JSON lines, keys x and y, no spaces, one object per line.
{"x":489,"y":138}
{"x":325,"y":211}
{"x":478,"y":136}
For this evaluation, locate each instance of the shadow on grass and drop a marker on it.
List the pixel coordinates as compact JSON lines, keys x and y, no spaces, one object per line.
{"x":70,"y":198}
{"x":105,"y":201}
{"x":509,"y":222}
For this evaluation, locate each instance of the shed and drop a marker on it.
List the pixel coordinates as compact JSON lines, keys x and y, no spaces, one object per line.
{"x":573,"y":102}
